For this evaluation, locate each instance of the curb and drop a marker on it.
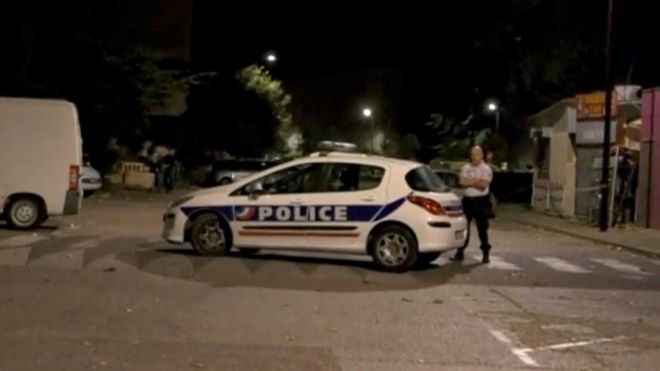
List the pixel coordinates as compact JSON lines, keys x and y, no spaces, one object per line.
{"x":631,"y":248}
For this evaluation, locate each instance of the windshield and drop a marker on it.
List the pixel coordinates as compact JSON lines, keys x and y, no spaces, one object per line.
{"x":423,"y":179}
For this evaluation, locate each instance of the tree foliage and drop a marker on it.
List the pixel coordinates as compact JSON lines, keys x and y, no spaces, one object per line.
{"x":257,"y":79}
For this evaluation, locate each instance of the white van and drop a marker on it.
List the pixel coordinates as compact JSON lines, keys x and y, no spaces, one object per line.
{"x":40,"y":160}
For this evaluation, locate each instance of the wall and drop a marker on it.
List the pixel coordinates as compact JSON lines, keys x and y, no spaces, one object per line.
{"x":648,"y":195}
{"x":557,"y":193}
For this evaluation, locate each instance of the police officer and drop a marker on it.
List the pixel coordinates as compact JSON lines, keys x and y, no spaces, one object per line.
{"x":475,"y":178}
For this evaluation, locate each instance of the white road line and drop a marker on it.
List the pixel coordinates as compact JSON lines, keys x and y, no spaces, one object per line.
{"x":579,"y":343}
{"x":518,"y":352}
{"x":22,"y":240}
{"x":524,"y":357}
{"x":561,"y":265}
{"x":620,"y":266}
{"x":499,"y":335}
{"x":497,"y":262}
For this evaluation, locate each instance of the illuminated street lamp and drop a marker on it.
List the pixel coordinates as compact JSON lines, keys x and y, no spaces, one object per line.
{"x":369,"y":114}
{"x":493,"y":107}
{"x":270,"y":57}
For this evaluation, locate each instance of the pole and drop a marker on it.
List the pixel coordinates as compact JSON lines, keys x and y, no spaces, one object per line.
{"x":604,"y":181}
{"x":497,"y":121}
{"x":613,"y":186}
{"x":373,"y":134}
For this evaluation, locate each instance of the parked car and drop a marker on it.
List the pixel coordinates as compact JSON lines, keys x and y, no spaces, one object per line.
{"x":396,"y":211}
{"x":90,"y":180}
{"x":40,"y":160}
{"x":451,"y":180}
{"x":229,"y":171}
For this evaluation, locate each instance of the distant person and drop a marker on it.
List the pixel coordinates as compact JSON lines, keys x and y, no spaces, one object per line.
{"x":475,"y":178}
{"x":168,"y":169}
{"x":143,"y":155}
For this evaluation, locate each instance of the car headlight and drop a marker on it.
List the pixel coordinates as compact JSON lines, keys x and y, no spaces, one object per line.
{"x":181,"y":201}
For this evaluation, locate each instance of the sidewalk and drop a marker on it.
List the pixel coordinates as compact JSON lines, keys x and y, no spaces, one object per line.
{"x":638,"y":240}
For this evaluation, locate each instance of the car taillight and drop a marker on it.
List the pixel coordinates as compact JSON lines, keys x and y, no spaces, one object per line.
{"x":74,"y":172}
{"x":427,"y":204}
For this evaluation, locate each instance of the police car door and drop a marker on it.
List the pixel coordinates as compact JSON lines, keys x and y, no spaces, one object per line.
{"x":272,"y":211}
{"x":341,"y":214}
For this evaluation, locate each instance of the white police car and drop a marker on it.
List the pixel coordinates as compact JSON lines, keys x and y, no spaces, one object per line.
{"x":391,"y":209}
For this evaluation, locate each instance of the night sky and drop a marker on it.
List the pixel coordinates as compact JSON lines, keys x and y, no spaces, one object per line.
{"x":412,"y":58}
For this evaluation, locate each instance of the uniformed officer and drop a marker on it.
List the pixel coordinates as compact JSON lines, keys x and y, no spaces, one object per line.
{"x":475,"y":178}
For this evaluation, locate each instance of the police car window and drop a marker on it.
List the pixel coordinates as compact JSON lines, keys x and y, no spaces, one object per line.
{"x":448,"y":178}
{"x":346,"y":177}
{"x":423,"y":179}
{"x":296,"y":179}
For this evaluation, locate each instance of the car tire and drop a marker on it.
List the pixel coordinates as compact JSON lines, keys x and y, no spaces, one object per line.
{"x":224,"y":181}
{"x":248,"y":251}
{"x":394,"y":249}
{"x":210,"y":236}
{"x":425,"y":259}
{"x":24,"y":213}
{"x":88,"y":193}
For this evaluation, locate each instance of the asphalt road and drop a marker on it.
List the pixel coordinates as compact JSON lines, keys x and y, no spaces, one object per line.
{"x":101,"y":291}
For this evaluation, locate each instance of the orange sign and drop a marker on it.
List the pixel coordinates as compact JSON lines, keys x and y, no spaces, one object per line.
{"x":592,"y":106}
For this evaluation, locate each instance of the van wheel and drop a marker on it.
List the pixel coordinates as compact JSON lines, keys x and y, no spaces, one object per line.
{"x":24,"y":213}
{"x":210,"y":237}
{"x":394,"y":249}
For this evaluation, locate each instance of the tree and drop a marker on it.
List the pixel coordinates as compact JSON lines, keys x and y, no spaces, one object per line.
{"x":257,"y":79}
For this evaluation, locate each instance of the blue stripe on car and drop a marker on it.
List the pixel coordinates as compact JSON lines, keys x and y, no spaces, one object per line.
{"x":226,"y":211}
{"x":389,"y":209}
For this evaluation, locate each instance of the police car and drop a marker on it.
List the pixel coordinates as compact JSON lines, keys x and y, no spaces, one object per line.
{"x":396,"y":211}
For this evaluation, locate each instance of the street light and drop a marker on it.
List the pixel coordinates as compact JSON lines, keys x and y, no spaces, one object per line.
{"x":271,"y":58}
{"x":493,"y":107}
{"x":369,"y":114}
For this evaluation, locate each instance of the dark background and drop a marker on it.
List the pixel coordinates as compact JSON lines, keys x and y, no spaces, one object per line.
{"x":407,"y":60}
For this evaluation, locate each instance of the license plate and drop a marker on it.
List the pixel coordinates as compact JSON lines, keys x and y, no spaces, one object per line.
{"x":459,"y":234}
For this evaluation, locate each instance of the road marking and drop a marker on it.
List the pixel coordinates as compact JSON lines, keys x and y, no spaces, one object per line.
{"x":620,"y":266}
{"x":499,"y":335}
{"x":524,"y":357}
{"x":22,"y":240}
{"x":497,"y":262}
{"x":561,"y":265}
{"x":574,"y":344}
{"x":521,"y":353}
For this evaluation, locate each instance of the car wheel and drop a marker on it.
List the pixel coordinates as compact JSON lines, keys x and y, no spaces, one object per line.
{"x":394,"y":249}
{"x":209,"y":236}
{"x":88,"y":193}
{"x":24,"y":213}
{"x":426,"y":258}
{"x":246,"y":251}
{"x":224,"y":181}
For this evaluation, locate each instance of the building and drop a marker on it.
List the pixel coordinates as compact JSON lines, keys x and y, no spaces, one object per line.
{"x":568,"y":139}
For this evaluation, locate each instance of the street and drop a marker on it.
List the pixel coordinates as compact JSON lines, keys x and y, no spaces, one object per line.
{"x":102,"y":291}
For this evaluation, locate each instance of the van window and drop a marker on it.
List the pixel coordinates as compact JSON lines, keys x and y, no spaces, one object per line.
{"x":423,"y":179}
